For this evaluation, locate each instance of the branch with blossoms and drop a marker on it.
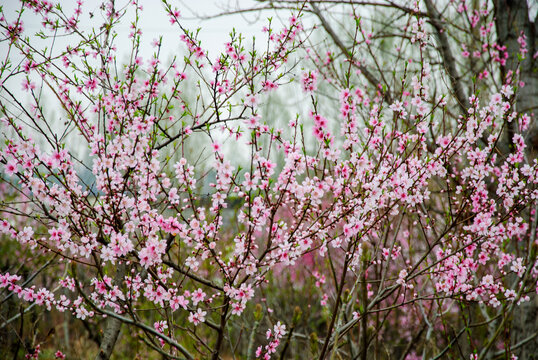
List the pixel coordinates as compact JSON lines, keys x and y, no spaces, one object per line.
{"x":399,"y":210}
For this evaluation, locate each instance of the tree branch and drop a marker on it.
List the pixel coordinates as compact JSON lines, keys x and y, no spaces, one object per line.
{"x":446,"y":53}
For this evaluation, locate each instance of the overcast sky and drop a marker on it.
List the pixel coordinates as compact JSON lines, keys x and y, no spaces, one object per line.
{"x":154,"y":22}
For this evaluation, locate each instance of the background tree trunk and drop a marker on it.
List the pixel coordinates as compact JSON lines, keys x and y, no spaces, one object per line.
{"x":512,"y":18}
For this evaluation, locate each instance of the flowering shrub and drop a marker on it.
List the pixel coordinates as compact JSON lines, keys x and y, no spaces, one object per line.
{"x":403,"y":208}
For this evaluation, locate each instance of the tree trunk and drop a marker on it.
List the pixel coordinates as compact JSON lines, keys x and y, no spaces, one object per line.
{"x":110,"y":336}
{"x":512,"y":18}
{"x":113,"y":326}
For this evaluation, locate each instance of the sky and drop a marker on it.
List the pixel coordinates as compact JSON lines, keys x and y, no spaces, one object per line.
{"x":214,"y":31}
{"x":154,"y":22}
{"x":194,"y":13}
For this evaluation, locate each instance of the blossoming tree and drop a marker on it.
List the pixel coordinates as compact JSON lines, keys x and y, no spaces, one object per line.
{"x":404,"y":191}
